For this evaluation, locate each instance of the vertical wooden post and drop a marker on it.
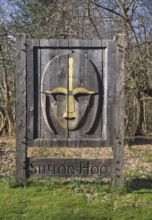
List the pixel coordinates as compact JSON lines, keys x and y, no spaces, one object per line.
{"x":118,"y":132}
{"x":21,"y":146}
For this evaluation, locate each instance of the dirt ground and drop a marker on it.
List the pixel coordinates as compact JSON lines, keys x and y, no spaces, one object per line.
{"x":137,"y":158}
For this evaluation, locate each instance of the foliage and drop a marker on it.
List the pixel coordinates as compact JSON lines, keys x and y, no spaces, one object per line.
{"x":148,"y":156}
{"x":77,"y":182}
{"x":79,"y":198}
{"x":7,"y":69}
{"x":9,"y":180}
{"x":62,"y":202}
{"x":48,"y":182}
{"x":88,"y":19}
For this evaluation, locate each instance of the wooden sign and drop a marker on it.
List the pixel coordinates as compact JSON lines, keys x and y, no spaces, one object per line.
{"x":69,"y":94}
{"x":69,"y":168}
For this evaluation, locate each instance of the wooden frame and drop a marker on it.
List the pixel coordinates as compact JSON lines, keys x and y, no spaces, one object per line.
{"x":106,"y":57}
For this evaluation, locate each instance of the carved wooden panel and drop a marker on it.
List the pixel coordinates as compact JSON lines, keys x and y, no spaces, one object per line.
{"x":67,"y":99}
{"x":67,"y":93}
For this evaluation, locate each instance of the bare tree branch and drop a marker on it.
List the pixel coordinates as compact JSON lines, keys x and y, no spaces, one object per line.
{"x":109,"y":9}
{"x":92,"y":21}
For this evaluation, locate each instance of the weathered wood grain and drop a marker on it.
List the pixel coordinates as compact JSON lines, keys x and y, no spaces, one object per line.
{"x":118,"y":128}
{"x":41,"y":120}
{"x":62,"y":81}
{"x":110,"y":91}
{"x":53,"y":78}
{"x":37,"y":71}
{"x":94,"y":76}
{"x":46,"y":82}
{"x":54,"y":142}
{"x":79,"y":55}
{"x":33,"y":89}
{"x":21,"y":144}
{"x":30,"y":90}
{"x":69,"y":167}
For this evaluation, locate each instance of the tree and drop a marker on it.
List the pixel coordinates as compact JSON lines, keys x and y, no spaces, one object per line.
{"x":88,"y":19}
{"x":135,"y":19}
{"x":55,"y":19}
{"x":7,"y":68}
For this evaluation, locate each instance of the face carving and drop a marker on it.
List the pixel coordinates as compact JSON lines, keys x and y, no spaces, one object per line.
{"x":70,"y":93}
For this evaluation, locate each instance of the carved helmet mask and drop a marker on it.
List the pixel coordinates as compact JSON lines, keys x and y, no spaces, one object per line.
{"x":70,"y":92}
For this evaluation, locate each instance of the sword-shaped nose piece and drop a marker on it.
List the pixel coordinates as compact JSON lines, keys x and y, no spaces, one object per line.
{"x":70,"y":108}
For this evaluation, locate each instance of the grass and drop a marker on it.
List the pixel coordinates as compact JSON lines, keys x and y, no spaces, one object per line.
{"x":61,"y":199}
{"x":148,"y":156}
{"x":68,"y":200}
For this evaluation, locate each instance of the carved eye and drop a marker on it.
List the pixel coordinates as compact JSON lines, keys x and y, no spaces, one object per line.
{"x":81,"y":97}
{"x":82,"y":94}
{"x":59,"y":97}
{"x":58,"y":94}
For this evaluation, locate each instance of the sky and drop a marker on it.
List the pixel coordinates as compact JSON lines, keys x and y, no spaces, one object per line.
{"x":8,"y":8}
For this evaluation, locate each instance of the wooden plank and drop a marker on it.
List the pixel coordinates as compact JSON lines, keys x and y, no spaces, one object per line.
{"x":95,"y":75}
{"x":37,"y":88}
{"x":109,"y":72}
{"x":37,"y":95}
{"x":105,"y":86}
{"x":62,"y":81}
{"x":21,"y":144}
{"x":70,"y":167}
{"x":48,"y":124}
{"x":79,"y":56}
{"x":30,"y":90}
{"x":83,"y":44}
{"x":46,"y":82}
{"x":97,"y":142}
{"x":63,"y":142}
{"x":57,"y":62}
{"x":33,"y":90}
{"x":118,"y":131}
{"x":52,"y":43}
{"x":73,"y":44}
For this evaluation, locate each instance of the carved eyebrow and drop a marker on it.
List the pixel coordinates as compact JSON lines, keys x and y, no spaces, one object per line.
{"x":57,"y":90}
{"x":82,"y":90}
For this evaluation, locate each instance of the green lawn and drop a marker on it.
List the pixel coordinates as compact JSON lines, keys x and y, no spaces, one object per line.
{"x":62,"y":200}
